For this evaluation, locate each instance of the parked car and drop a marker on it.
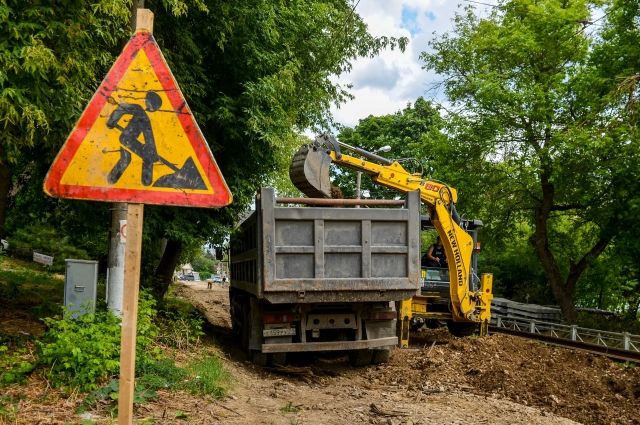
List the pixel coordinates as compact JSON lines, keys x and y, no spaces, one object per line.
{"x":188,"y":277}
{"x":216,"y":278}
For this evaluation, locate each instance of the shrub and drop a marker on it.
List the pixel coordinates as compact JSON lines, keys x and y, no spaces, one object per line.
{"x":83,"y":352}
{"x":14,"y":366}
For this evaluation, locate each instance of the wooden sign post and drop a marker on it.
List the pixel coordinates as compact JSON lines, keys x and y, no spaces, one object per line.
{"x":132,"y":252}
{"x":137,"y":142}
{"x":133,"y":249}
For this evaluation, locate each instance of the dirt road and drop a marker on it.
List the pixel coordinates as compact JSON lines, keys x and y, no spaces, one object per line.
{"x":441,"y":380}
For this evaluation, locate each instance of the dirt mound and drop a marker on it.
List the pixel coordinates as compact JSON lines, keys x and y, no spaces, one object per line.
{"x":581,"y":386}
{"x":443,"y":379}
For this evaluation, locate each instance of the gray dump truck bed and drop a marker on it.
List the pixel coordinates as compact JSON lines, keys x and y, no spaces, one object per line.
{"x":323,"y":278}
{"x":325,"y":254}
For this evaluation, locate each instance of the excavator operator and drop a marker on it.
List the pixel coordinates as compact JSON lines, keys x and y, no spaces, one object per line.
{"x":435,"y":256}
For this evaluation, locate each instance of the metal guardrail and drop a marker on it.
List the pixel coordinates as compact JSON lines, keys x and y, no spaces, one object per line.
{"x":591,"y":339}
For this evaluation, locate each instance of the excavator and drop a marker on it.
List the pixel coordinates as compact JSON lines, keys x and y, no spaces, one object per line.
{"x":466,"y":306}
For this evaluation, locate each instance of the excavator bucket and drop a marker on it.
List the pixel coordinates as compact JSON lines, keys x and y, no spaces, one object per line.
{"x":309,"y":172}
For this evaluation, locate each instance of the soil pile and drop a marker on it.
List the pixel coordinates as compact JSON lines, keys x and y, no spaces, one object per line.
{"x":552,"y":381}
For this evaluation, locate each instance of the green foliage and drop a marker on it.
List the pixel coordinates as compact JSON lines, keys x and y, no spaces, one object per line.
{"x":83,"y":352}
{"x":202,"y":263}
{"x":8,"y":408}
{"x":611,"y":323}
{"x":51,"y":58}
{"x":45,"y":240}
{"x":414,"y":135}
{"x":535,"y":139}
{"x":208,"y":377}
{"x":14,"y":366}
{"x":179,"y":324}
{"x":40,"y":291}
{"x":161,"y":374}
{"x":150,"y":377}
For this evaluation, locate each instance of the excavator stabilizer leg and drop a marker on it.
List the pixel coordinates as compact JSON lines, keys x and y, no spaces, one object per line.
{"x":404,"y":317}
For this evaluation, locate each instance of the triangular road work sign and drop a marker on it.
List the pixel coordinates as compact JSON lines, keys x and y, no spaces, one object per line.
{"x":137,"y":141}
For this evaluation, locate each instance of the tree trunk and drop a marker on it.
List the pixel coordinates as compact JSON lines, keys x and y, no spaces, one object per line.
{"x":164,"y":272}
{"x":540,"y":242}
{"x":5,"y":185}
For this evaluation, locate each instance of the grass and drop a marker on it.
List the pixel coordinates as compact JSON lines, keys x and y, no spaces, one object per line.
{"x":209,"y":377}
{"x":290,"y":408}
{"x":25,"y":284}
{"x":8,"y":409}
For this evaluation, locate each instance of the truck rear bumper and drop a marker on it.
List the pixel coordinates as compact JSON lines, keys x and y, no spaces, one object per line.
{"x":330,"y":346}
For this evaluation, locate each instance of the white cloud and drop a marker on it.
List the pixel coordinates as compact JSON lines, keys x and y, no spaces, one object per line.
{"x":386,"y":83}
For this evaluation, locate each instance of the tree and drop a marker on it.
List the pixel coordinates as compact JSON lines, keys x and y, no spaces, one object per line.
{"x":51,"y":56}
{"x":524,"y":114}
{"x":255,"y":72}
{"x":414,"y":135}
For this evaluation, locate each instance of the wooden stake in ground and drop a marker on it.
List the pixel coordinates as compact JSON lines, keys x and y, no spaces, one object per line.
{"x":133,"y":249}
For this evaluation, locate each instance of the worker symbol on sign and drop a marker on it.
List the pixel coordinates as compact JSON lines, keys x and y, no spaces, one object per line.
{"x":186,"y":177}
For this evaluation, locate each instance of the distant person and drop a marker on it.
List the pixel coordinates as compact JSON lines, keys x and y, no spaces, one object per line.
{"x":209,"y":283}
{"x":435,"y":255}
{"x":224,"y":280}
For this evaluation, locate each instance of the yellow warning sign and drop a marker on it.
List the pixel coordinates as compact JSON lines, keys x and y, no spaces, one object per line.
{"x":137,"y":140}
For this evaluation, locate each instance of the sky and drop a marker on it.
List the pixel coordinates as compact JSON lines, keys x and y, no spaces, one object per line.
{"x":387,"y":83}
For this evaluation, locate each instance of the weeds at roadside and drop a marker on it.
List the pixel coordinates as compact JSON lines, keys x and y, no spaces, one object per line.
{"x":209,"y":378}
{"x":179,"y":323}
{"x":8,"y":409}
{"x":290,"y":408}
{"x":15,"y":366}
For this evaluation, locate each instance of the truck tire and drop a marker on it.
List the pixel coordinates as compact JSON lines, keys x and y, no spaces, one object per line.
{"x":462,"y":329}
{"x":259,"y":358}
{"x":380,"y":356}
{"x":278,"y":359}
{"x":360,"y":357}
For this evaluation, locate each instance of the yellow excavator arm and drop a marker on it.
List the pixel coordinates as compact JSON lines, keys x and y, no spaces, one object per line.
{"x":310,"y":173}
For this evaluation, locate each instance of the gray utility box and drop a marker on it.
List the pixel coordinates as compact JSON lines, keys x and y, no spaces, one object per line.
{"x":323,"y":278}
{"x":80,"y":286}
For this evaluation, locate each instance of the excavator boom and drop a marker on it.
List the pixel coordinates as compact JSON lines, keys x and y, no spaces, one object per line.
{"x":309,"y":171}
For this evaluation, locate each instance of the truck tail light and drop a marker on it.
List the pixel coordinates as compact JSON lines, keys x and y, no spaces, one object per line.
{"x":274,"y":318}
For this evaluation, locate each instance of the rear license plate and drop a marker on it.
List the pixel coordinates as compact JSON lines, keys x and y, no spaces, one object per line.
{"x":279,"y":332}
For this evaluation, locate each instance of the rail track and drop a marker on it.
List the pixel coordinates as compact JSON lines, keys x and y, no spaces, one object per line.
{"x":619,"y":346}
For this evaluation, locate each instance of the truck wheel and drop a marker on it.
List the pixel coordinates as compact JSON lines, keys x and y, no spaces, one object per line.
{"x":360,"y":357}
{"x":245,"y":328}
{"x":462,"y":329}
{"x":278,"y":359}
{"x":259,"y":358}
{"x":381,"y":356}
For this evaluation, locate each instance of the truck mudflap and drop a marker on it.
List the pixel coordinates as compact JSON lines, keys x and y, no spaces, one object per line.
{"x":330,"y":345}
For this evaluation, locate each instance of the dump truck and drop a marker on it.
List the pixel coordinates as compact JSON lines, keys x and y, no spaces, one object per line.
{"x":455,"y":294}
{"x":313,"y":275}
